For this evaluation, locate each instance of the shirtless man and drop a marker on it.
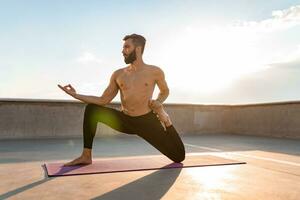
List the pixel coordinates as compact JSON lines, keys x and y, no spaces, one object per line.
{"x":139,"y":114}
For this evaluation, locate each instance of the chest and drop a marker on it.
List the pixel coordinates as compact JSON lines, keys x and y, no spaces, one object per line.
{"x":135,"y":81}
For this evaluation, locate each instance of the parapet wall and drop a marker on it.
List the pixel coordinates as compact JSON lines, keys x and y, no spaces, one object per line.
{"x":25,"y":118}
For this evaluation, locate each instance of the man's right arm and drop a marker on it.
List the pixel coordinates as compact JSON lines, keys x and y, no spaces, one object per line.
{"x":110,"y":92}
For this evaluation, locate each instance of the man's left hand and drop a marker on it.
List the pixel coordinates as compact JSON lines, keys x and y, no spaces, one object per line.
{"x":154,"y":104}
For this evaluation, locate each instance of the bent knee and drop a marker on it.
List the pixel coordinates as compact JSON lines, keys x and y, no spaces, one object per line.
{"x":91,"y":106}
{"x":179,"y":157}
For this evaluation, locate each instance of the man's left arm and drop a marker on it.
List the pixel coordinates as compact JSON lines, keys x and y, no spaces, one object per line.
{"x":163,"y":88}
{"x":162,"y":85}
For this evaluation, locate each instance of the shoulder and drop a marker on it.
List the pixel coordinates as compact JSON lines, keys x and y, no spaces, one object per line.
{"x":117,"y":72}
{"x":156,"y":70}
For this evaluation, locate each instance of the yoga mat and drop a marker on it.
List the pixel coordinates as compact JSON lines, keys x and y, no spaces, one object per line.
{"x":136,"y":163}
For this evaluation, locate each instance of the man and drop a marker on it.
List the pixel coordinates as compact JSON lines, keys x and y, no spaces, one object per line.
{"x":139,"y":113}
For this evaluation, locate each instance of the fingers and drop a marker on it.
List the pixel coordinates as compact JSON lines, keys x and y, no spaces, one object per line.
{"x":154,"y":104}
{"x":71,"y":87}
{"x":150,"y":102}
{"x":61,"y":87}
{"x":66,"y":87}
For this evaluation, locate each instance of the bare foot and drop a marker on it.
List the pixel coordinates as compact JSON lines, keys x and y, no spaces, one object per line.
{"x":82,"y":160}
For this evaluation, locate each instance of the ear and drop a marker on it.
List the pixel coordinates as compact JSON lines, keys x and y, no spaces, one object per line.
{"x":139,"y":50}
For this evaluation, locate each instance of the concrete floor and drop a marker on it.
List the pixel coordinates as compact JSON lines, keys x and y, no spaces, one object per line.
{"x":272,"y":170}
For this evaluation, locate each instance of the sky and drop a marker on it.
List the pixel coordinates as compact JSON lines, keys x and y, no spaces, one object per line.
{"x":212,"y":52}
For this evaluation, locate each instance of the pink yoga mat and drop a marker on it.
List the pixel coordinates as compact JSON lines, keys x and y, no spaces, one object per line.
{"x":136,"y":163}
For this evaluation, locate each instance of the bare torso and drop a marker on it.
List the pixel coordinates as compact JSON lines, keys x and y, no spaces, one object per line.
{"x":136,"y":89}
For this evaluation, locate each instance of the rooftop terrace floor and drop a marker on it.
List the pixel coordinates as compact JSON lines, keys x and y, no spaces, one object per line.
{"x":272,"y":170}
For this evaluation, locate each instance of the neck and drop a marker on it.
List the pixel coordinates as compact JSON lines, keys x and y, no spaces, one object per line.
{"x":137,"y":64}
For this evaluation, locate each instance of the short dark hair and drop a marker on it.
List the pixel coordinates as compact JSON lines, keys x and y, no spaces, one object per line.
{"x":137,"y":40}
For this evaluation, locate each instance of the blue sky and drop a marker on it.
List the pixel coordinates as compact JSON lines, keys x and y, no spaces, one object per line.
{"x":212,"y":52}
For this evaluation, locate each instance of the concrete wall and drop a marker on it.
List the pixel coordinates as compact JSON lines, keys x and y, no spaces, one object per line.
{"x":24,"y":118}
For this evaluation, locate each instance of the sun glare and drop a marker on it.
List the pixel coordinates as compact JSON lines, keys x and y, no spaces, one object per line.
{"x":209,"y":180}
{"x":212,"y":59}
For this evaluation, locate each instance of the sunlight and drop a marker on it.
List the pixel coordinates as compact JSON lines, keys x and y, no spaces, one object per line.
{"x":211,"y":58}
{"x":211,"y":179}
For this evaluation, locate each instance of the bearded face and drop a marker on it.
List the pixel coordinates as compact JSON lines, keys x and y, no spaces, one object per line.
{"x":128,"y":59}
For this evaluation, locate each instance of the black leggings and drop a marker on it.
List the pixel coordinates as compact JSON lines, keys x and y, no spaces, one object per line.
{"x":146,"y":126}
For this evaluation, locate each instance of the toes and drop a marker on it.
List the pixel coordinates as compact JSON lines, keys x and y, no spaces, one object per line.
{"x":77,"y":161}
{"x":66,"y":164}
{"x":71,"y":163}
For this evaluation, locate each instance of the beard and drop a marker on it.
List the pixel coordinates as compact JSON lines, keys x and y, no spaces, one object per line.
{"x":130,"y":58}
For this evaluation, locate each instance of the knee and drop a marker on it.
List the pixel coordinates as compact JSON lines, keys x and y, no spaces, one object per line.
{"x":90,"y":107}
{"x":180,"y":156}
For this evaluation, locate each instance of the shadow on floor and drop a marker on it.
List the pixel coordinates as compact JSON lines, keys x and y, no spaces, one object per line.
{"x":26,"y":187}
{"x":151,"y":187}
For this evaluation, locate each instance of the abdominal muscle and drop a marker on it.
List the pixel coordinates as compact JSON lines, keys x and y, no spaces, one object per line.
{"x":135,"y":106}
{"x":136,"y":89}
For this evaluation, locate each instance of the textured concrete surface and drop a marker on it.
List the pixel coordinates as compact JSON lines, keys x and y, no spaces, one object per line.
{"x":61,"y":119}
{"x":272,"y":170}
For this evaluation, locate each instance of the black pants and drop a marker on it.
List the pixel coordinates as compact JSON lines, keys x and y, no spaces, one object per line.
{"x":146,"y":126}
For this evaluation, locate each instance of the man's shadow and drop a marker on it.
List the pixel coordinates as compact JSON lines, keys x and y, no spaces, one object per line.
{"x":26,"y":187}
{"x":151,"y":187}
{"x":37,"y":183}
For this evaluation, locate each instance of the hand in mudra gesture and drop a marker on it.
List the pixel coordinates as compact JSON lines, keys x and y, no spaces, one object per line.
{"x":68,"y":89}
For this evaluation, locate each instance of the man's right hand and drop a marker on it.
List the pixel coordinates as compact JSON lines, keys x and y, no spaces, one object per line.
{"x":68,"y":89}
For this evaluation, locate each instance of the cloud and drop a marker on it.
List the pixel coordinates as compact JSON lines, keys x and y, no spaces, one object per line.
{"x":280,"y":82}
{"x":88,"y":58}
{"x":281,"y":19}
{"x":292,"y":64}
